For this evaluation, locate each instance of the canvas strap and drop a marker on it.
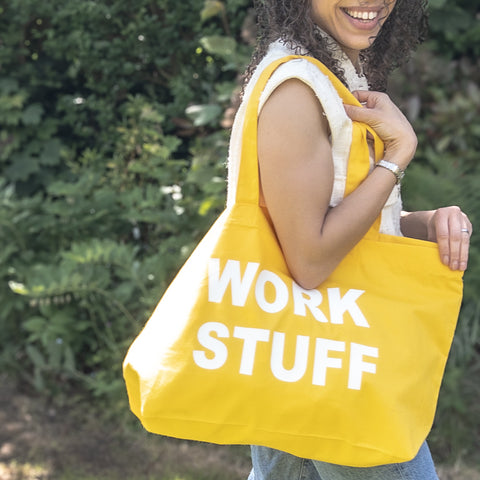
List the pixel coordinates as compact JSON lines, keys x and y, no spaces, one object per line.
{"x":248,"y":188}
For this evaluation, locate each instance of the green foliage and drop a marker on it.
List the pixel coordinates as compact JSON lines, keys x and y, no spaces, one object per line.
{"x":113,"y":167}
{"x":455,"y":27}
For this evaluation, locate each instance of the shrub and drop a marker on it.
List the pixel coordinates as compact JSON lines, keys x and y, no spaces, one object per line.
{"x":107,"y":182}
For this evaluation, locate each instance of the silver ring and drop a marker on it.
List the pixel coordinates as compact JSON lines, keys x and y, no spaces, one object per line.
{"x":466,"y":230}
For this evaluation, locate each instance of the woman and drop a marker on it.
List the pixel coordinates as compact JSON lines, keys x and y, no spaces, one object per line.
{"x":304,"y":137}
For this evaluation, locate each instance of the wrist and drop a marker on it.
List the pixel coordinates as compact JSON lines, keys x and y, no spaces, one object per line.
{"x":396,"y":170}
{"x":400,"y":154}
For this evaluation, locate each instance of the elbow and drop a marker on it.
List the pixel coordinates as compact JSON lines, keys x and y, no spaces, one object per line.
{"x":310,"y":275}
{"x":310,"y":266}
{"x":310,"y":283}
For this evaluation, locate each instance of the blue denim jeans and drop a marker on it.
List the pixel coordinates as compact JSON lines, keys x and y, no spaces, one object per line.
{"x":269,"y":464}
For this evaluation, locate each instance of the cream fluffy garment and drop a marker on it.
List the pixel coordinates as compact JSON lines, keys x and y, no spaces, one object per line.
{"x":340,"y":124}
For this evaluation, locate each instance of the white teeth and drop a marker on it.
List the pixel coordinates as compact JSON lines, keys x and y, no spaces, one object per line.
{"x":362,"y":15}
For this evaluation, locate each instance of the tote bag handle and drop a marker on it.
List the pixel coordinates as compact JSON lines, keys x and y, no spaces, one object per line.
{"x":248,"y":188}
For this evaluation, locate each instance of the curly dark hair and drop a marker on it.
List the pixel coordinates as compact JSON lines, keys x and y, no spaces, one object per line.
{"x":291,"y":21}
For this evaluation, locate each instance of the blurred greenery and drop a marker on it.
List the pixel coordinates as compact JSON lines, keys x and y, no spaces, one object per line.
{"x":114,"y":127}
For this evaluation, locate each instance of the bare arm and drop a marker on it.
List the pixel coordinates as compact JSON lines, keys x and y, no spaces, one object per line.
{"x":448,"y":226}
{"x":296,"y":172}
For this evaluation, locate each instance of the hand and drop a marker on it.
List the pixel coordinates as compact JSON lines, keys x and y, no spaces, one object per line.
{"x":380,"y":113}
{"x":451,"y":229}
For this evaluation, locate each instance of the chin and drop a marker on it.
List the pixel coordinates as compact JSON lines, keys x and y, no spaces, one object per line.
{"x":357,"y":45}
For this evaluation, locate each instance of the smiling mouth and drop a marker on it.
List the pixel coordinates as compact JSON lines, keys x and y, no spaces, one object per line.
{"x":361,"y":15}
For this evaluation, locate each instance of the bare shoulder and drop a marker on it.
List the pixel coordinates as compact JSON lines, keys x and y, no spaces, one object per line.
{"x":293,"y":101}
{"x":292,"y":120}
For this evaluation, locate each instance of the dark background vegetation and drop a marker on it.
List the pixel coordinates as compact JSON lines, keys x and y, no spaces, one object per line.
{"x":114,"y":126}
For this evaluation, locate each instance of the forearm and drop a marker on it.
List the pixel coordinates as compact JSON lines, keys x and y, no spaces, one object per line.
{"x":297,"y":176}
{"x":415,"y":224}
{"x":347,"y":223}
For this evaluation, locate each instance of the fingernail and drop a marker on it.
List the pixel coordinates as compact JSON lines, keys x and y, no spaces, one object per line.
{"x":463,"y":266}
{"x":446,"y":259}
{"x":455,"y":265}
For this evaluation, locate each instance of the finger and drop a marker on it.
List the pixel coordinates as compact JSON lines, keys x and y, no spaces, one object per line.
{"x":355,"y":93}
{"x":465,"y":245}
{"x":456,"y":238}
{"x":442,"y":239}
{"x":464,"y":250}
{"x":353,"y":111}
{"x":364,"y":96}
{"x":360,"y":114}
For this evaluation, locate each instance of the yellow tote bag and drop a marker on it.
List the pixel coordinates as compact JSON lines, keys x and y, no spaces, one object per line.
{"x":237,"y":353}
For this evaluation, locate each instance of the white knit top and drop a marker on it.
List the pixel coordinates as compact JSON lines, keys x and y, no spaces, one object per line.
{"x":340,"y":124}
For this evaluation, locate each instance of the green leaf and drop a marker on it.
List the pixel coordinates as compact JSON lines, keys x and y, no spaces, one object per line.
{"x":202,"y":115}
{"x":34,"y":324}
{"x":219,"y":45}
{"x":212,"y":8}
{"x":8,"y":85}
{"x":23,"y":165}
{"x":18,"y":288}
{"x":32,"y":115}
{"x":35,"y":356}
{"x":55,"y":349}
{"x":69,"y":359}
{"x":51,"y":152}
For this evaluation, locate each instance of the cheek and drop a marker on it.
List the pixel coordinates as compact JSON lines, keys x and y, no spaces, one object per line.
{"x":318,"y":12}
{"x":315,"y":14}
{"x":322,"y":19}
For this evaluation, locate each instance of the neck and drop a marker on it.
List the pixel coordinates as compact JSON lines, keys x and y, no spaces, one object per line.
{"x":354,"y":56}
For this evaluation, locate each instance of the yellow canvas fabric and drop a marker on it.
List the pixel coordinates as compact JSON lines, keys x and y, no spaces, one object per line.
{"x":237,"y":353}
